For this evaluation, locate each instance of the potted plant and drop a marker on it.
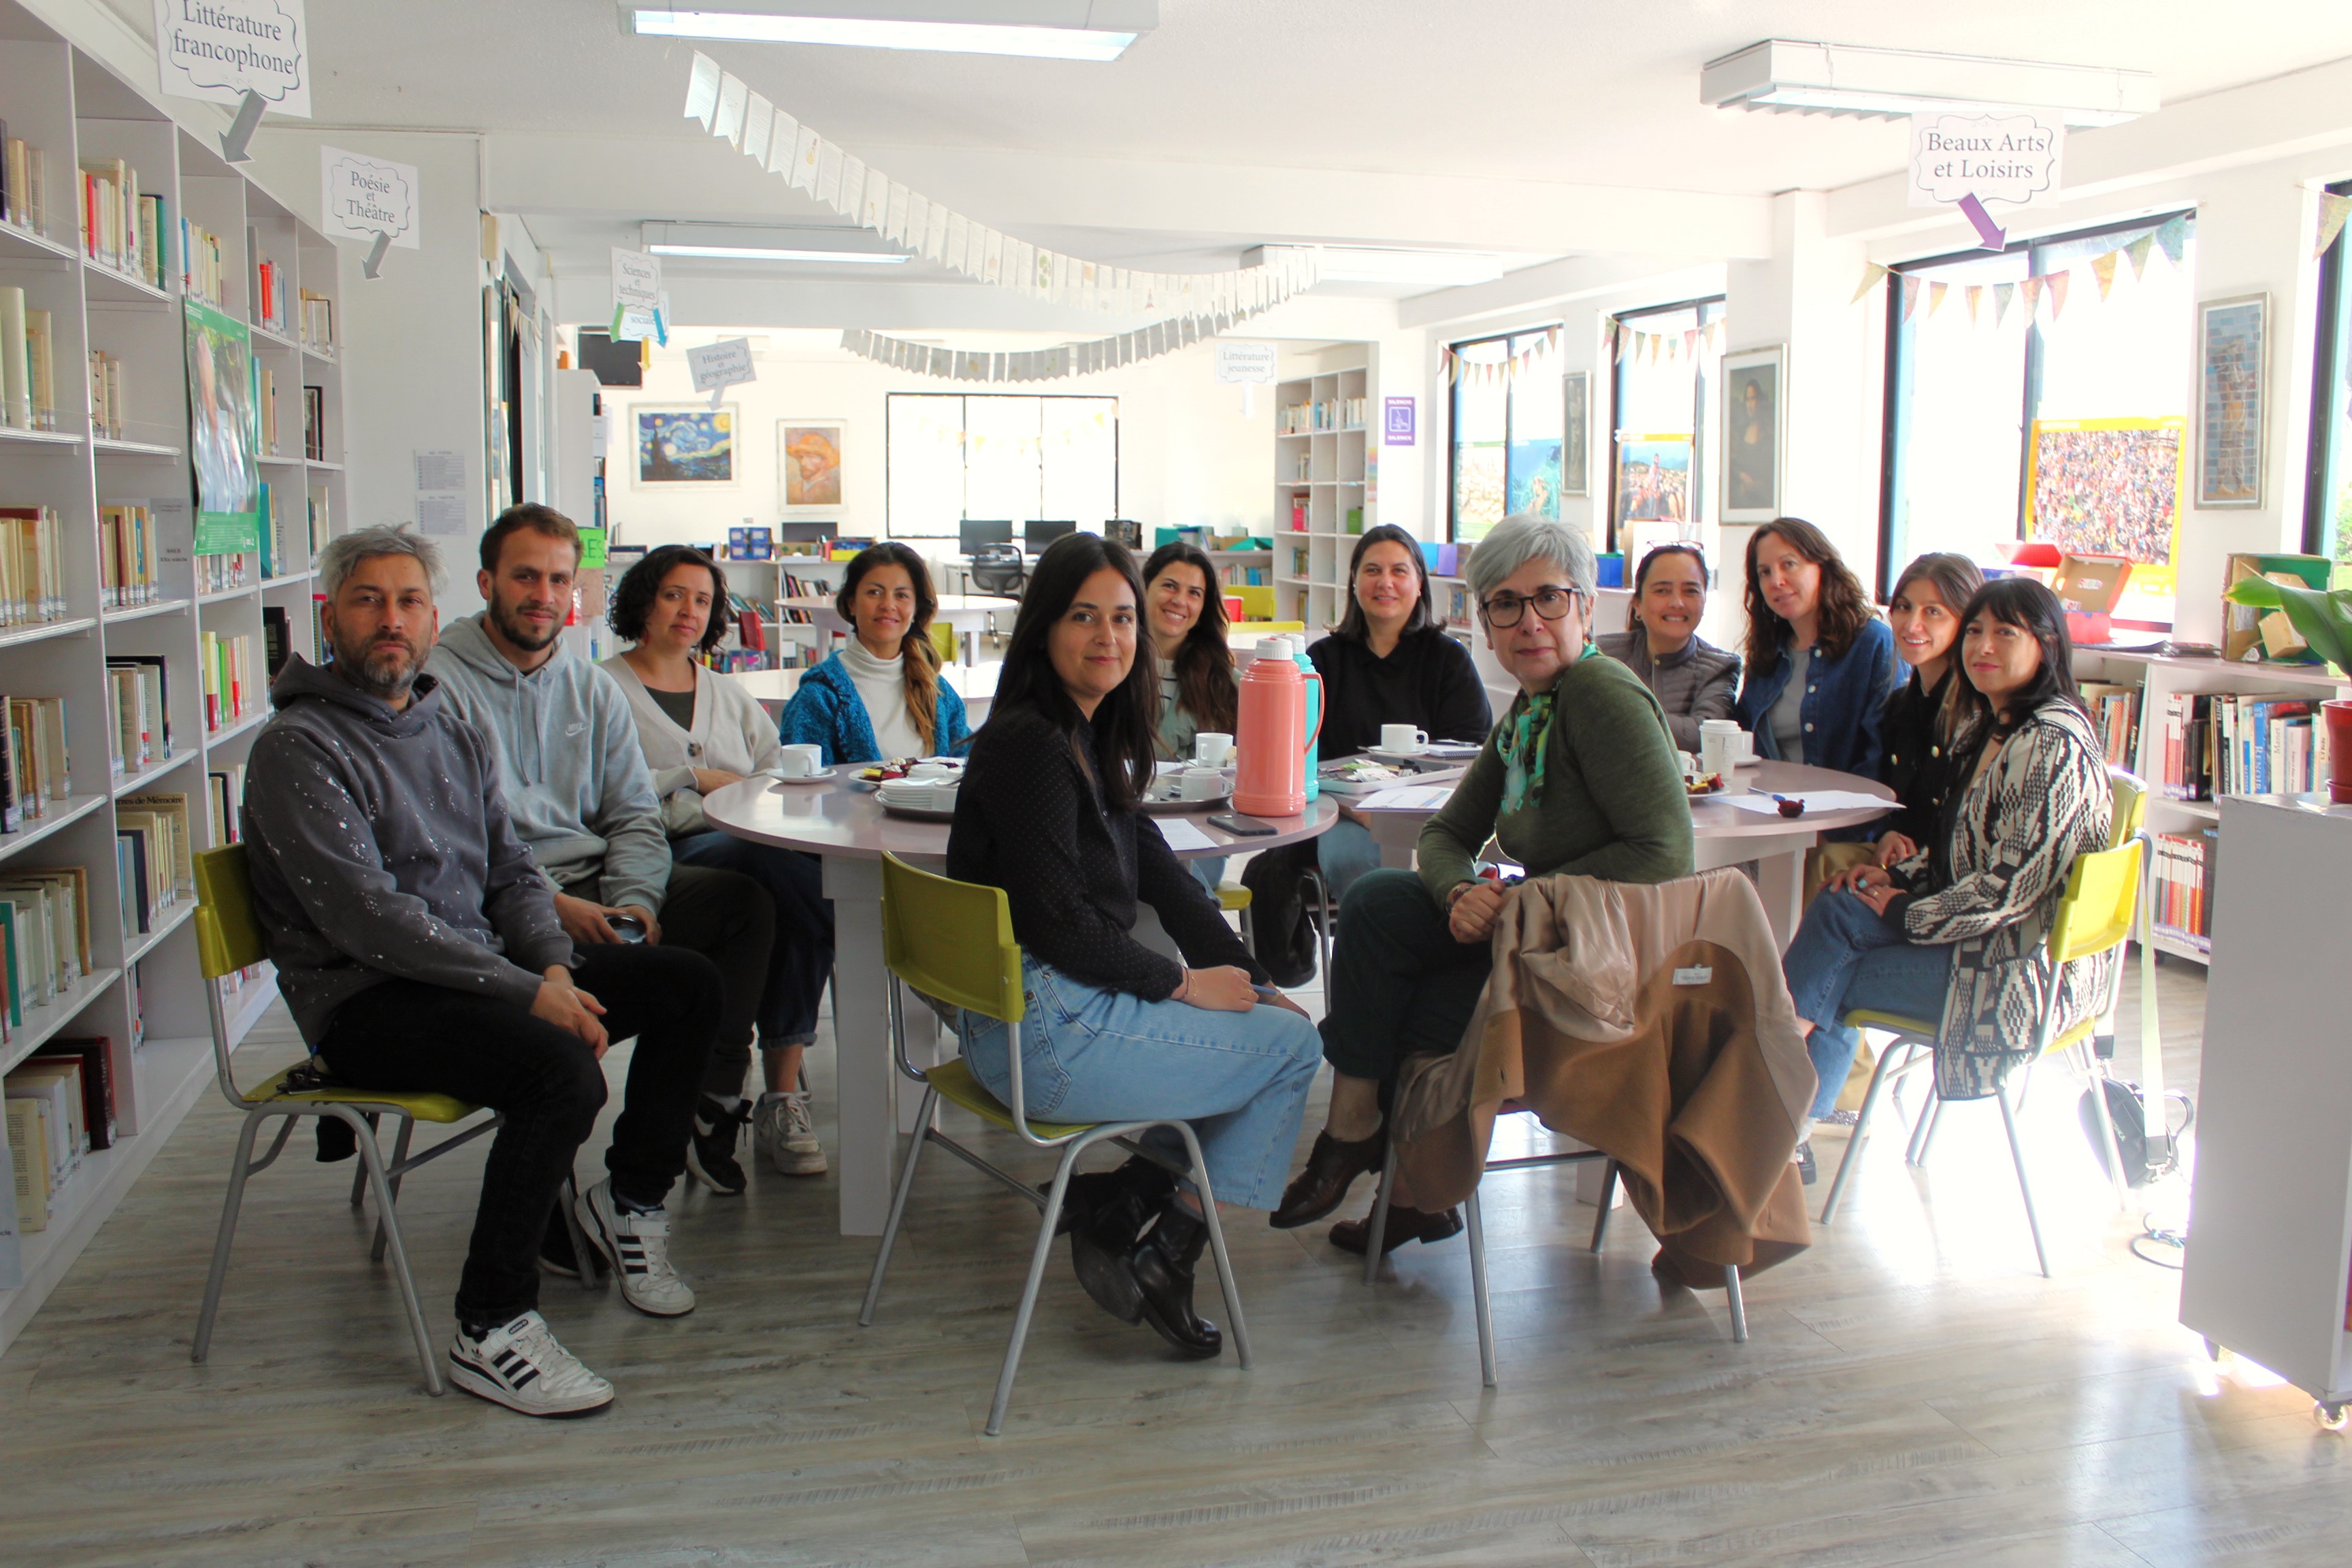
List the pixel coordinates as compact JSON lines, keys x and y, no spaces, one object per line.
{"x":2324,"y":621}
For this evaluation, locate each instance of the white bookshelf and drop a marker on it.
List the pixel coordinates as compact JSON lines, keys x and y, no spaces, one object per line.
{"x":1324,"y":476}
{"x":2160,"y":676}
{"x":71,"y":107}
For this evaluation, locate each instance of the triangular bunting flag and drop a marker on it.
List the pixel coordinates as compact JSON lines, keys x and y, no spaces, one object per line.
{"x":1975,"y":293}
{"x":2001,"y":295}
{"x":1870,"y":273}
{"x":2173,"y":239}
{"x":1936,"y":292}
{"x":2055,"y":287}
{"x":2137,"y":250}
{"x":2333,"y":210}
{"x":2029,"y":290}
{"x":2103,"y":268}
{"x":1690,"y":341}
{"x":1910,"y":294}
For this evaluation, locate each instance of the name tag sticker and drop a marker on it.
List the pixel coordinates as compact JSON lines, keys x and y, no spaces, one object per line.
{"x":1697,"y":975}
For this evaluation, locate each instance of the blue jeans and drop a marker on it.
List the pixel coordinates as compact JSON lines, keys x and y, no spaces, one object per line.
{"x":1844,"y":957}
{"x":1209,"y":870}
{"x":1347,"y":852}
{"x":1092,"y":1054}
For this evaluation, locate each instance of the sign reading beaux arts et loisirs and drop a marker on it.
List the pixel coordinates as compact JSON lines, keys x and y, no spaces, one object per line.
{"x":219,"y":50}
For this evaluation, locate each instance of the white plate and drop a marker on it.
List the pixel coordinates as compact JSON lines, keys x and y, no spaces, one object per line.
{"x":1398,"y":758}
{"x":1170,"y":808}
{"x":823,"y":775}
{"x":919,"y":813}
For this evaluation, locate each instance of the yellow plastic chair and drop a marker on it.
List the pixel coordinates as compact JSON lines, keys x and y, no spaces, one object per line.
{"x":954,"y":941}
{"x":943,"y":638}
{"x":228,"y":938}
{"x":1257,"y":599}
{"x":2095,"y":915}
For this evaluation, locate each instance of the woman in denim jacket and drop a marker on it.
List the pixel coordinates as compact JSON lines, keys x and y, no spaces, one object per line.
{"x":1820,"y":662}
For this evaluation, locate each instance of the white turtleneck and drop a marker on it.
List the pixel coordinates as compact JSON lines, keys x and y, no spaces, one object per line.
{"x":882,"y":686}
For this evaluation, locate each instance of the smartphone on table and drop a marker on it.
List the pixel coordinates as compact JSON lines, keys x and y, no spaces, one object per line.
{"x":1241,"y":826}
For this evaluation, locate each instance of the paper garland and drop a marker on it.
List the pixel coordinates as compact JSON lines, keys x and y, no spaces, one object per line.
{"x":1650,"y":347}
{"x":2170,"y":237}
{"x":1192,"y":305}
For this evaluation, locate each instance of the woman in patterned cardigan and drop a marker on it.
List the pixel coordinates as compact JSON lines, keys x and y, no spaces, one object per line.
{"x":1956,"y":931}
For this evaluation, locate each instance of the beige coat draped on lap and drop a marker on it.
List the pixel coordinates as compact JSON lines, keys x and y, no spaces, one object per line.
{"x":1651,"y":1022}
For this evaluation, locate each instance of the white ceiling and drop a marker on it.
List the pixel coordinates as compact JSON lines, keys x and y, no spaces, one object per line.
{"x":1533,"y":126}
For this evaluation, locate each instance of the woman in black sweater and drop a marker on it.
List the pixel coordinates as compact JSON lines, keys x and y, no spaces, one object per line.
{"x":1114,"y":1030}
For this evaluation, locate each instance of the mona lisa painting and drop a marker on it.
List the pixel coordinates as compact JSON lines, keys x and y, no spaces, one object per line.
{"x":1754,"y":385}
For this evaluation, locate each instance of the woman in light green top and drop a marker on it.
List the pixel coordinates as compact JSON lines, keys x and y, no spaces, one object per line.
{"x":1579,"y":777}
{"x":1185,"y":613}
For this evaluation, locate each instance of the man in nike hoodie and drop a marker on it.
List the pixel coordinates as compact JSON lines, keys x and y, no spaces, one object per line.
{"x":576,"y":781}
{"x":419,"y":950}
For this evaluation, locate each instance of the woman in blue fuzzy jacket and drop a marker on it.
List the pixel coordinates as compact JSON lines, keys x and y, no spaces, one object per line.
{"x":880,"y":698}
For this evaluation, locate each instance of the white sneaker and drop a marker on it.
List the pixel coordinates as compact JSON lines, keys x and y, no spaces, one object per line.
{"x":638,"y":1246}
{"x":520,"y":1366}
{"x":782,"y":1130}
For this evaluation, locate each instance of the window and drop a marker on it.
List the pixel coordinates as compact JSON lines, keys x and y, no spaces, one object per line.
{"x":1509,"y":423}
{"x":953,"y":456}
{"x":1661,"y":395}
{"x":2327,"y":498}
{"x":2042,"y":393}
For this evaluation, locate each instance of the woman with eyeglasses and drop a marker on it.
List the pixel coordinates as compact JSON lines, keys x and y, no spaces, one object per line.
{"x":1693,"y":679}
{"x":1579,"y":777}
{"x":1388,"y":661}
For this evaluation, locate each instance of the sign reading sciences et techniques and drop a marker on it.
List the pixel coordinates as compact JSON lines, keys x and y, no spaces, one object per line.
{"x":219,"y":50}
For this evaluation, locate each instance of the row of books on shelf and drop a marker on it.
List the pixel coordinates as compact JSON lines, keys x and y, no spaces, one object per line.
{"x":2227,"y":743}
{"x":273,"y":289}
{"x":130,"y":557}
{"x":2115,"y":714}
{"x":2182,"y":896}
{"x":232,"y":682}
{"x":120,"y":227}
{"x":203,"y":265}
{"x":28,"y":364}
{"x":24,"y":182}
{"x":219,"y":574}
{"x":32,"y":566}
{"x":137,"y":711}
{"x":64,"y":1105}
{"x":1322,"y":413}
{"x":109,"y":397}
{"x":154,"y":858}
{"x":318,"y":322}
{"x":37,"y":773}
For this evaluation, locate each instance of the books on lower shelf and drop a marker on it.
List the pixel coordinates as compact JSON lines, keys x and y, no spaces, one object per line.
{"x":162,"y":860}
{"x":321,"y":521}
{"x":32,"y":566}
{"x":2181,"y":898}
{"x":63,"y":1105}
{"x":23,"y":183}
{"x":129,"y":570}
{"x":231,"y":687}
{"x":2232,"y":743}
{"x":204,"y":272}
{"x":314,"y":424}
{"x":138,"y":711}
{"x":120,"y":227}
{"x":225,"y":796}
{"x":34,"y":775}
{"x":28,"y":364}
{"x":220,"y":574}
{"x":2115,"y":714}
{"x":272,"y":290}
{"x":318,"y":322}
{"x":108,"y":397}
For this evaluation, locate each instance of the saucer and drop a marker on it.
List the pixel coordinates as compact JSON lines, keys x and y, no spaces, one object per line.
{"x":1382,"y":754}
{"x":823,"y":775}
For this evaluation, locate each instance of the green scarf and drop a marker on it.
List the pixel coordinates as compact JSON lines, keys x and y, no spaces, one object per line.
{"x":1522,"y":749}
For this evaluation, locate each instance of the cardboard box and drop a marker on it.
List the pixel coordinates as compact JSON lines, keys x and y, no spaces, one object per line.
{"x":2090,"y":587}
{"x":2246,"y":636}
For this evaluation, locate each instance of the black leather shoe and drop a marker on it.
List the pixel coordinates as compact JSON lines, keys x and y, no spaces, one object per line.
{"x":1806,"y":1169}
{"x":1161,"y":1266}
{"x":1089,"y":1192}
{"x":1101,"y":1247}
{"x":1404,"y":1225}
{"x":1331,"y":1169}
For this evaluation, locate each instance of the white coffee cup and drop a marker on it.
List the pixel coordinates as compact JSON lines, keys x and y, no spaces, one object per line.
{"x":801,"y":762}
{"x":1213,"y":747}
{"x":1403,"y":738}
{"x":1201,"y":783}
{"x":931,"y":771}
{"x":1718,"y":741}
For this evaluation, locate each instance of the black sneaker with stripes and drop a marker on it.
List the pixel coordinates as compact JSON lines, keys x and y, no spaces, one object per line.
{"x":520,"y":1366}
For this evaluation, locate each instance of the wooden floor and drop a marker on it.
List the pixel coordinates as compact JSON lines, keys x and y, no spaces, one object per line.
{"x":1914,"y":1394}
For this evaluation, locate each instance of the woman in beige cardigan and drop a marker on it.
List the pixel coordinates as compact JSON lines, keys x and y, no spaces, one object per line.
{"x":701,"y":731}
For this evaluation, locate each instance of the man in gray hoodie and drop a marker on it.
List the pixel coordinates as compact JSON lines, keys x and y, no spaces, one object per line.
{"x":419,"y":950}
{"x":576,"y":780}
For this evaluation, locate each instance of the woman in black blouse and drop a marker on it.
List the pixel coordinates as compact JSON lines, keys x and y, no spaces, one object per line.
{"x":1115,"y":1029}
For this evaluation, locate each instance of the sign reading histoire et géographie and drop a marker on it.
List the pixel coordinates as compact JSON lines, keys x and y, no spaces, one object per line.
{"x":219,"y":50}
{"x":362,"y":197}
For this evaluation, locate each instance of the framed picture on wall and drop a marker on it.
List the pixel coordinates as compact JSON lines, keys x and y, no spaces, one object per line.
{"x":2232,"y":366}
{"x":1754,"y":390}
{"x":1576,"y":452}
{"x":683,"y":446}
{"x":808,"y":466}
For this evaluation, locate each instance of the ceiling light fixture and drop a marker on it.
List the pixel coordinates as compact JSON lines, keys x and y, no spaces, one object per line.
{"x":764,"y":253}
{"x":1092,"y":30}
{"x":1782,"y":75}
{"x":1377,"y":264}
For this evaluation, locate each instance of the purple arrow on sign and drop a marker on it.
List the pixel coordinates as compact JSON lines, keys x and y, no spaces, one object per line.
{"x":1991,"y":235}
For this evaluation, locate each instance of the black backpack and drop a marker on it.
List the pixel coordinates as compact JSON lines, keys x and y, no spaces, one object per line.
{"x":2131,"y":1129}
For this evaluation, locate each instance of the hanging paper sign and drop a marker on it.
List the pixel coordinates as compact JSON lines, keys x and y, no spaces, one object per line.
{"x":1968,"y":160}
{"x":719,"y":365}
{"x":1245,"y":364}
{"x":361,"y":197}
{"x":219,"y":50}
{"x":636,"y":296}
{"x":1399,"y":430}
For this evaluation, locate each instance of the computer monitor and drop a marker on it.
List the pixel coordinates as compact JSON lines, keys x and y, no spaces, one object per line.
{"x":971,"y":533}
{"x":1036,"y":534}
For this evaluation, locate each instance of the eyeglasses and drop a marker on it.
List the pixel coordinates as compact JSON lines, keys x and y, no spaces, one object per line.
{"x":1504,"y":610}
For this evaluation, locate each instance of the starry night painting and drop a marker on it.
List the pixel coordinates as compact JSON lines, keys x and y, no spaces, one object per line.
{"x":685,"y":445}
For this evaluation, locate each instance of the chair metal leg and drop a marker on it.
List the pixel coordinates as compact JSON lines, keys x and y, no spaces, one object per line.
{"x":1862,"y":1126}
{"x":391,"y":1222}
{"x":2024,"y":1186}
{"x":1738,"y":1304}
{"x":899,"y":1206}
{"x":239,"y":1168}
{"x":1607,"y":1200}
{"x":399,"y":1159}
{"x":2109,"y":1144}
{"x":1379,"y":1223}
{"x":1323,"y":913}
{"x":1228,"y":1286}
{"x":1479,"y":1304}
{"x":1923,"y":1136}
{"x":359,"y":1183}
{"x":1037,"y":1256}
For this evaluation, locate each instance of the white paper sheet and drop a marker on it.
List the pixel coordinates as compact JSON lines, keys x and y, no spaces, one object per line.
{"x":1183,"y":834}
{"x":1406,"y":797}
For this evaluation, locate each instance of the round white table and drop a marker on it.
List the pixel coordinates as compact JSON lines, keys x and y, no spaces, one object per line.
{"x":967,"y":612}
{"x":1727,"y":835}
{"x":846,"y":828}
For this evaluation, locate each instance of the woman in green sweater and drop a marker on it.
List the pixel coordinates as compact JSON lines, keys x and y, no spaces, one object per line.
{"x":1580,"y":778}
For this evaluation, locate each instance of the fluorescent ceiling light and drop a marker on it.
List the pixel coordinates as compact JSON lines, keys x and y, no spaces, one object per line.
{"x":1372,"y":264}
{"x":1786,"y":77}
{"x":1092,"y":30}
{"x":764,"y":253}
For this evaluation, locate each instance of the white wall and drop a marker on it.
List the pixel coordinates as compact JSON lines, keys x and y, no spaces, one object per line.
{"x":1187,"y":454}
